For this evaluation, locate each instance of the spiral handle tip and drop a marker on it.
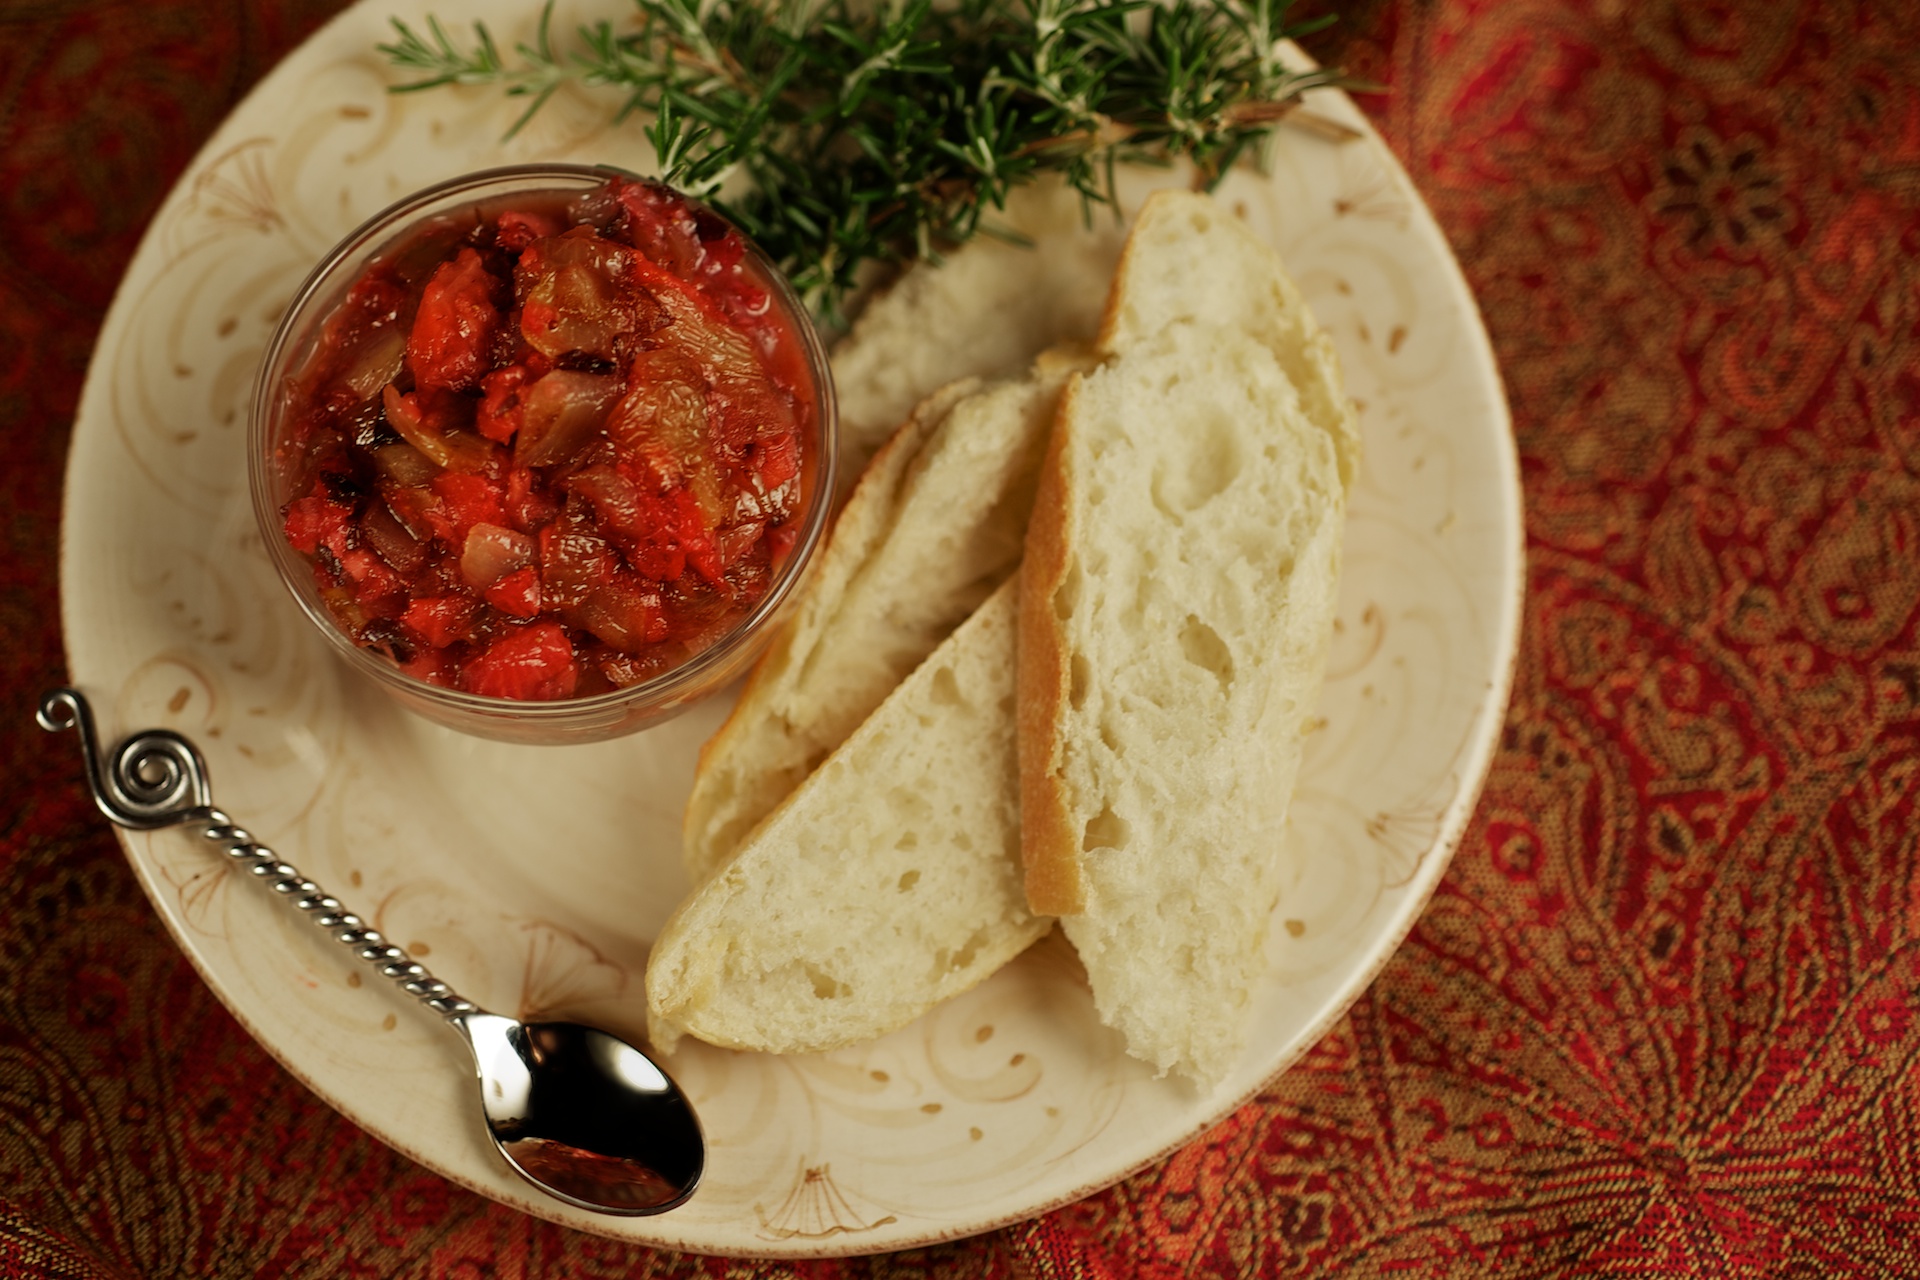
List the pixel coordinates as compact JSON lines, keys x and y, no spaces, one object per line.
{"x":60,"y":709}
{"x":153,"y":779}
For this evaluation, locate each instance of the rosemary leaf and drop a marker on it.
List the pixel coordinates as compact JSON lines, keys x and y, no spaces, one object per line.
{"x":880,"y":133}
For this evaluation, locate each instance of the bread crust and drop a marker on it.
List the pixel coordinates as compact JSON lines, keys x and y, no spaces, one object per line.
{"x":1107,"y":339}
{"x":859,"y":525}
{"x":1048,"y":847}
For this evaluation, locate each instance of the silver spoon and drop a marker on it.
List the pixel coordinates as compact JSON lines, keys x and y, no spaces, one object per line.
{"x":583,"y":1116}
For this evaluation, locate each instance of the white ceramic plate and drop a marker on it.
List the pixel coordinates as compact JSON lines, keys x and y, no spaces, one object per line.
{"x":534,"y":879}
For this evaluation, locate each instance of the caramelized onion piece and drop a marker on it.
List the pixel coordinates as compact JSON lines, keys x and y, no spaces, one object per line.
{"x":560,"y":413}
{"x":375,"y":363}
{"x":662,"y":424}
{"x":404,"y":465}
{"x":391,"y":540}
{"x":578,"y":296}
{"x":491,"y":553}
{"x":450,"y":450}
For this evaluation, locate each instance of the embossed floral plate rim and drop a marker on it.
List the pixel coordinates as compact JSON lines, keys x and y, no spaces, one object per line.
{"x":992,"y":1109}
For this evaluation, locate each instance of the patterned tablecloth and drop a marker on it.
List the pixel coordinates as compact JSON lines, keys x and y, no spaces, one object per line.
{"x":1660,"y":1019}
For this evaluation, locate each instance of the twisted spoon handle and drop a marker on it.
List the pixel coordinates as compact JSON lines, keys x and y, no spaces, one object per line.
{"x":157,"y":779}
{"x":326,"y":911}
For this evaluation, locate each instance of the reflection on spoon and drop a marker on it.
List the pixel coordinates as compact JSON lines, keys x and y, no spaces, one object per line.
{"x":587,"y":1116}
{"x":580,"y":1114}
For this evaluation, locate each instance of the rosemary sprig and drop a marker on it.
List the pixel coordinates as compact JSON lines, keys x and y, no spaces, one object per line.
{"x":856,"y":133}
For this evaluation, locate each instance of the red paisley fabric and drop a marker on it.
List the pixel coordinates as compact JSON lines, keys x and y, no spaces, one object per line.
{"x":1660,"y":1019}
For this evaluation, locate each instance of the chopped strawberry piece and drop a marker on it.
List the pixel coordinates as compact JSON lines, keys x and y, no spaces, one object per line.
{"x":500,"y":407}
{"x":453,"y":330}
{"x":314,"y":520}
{"x":696,"y":536}
{"x":530,"y":503}
{"x":661,"y":533}
{"x":382,"y":593}
{"x":433,"y":665}
{"x":660,"y":561}
{"x":468,"y":501}
{"x":520,"y":228}
{"x":528,"y":664}
{"x":336,"y":539}
{"x":441,"y":620}
{"x":379,"y":591}
{"x":517,"y":594}
{"x":777,"y":460}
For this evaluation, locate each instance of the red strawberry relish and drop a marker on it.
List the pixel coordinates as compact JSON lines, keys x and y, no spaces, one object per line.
{"x":553,"y":446}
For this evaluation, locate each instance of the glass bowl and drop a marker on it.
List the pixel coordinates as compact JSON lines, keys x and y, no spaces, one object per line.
{"x":281,"y":444}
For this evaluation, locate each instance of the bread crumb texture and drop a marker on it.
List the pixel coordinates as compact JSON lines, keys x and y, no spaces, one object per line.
{"x":1189,"y":581}
{"x":887,"y":882}
{"x":1210,"y":554}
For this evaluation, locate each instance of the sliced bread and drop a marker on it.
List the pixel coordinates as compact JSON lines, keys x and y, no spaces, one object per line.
{"x":1189,"y":259}
{"x":987,"y":309}
{"x":888,"y":881}
{"x":1178,"y":595}
{"x":934,"y":525}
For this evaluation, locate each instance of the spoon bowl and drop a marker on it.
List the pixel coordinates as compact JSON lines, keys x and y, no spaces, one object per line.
{"x":581,"y":1114}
